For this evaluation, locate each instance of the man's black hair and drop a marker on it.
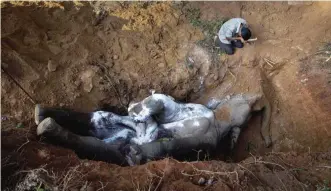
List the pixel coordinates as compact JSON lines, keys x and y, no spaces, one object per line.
{"x":245,"y":33}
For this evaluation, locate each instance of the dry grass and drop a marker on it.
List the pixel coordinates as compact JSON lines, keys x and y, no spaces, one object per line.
{"x":41,"y":178}
{"x":325,"y":53}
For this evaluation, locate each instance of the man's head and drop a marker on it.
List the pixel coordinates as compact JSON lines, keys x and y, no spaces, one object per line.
{"x":245,"y":33}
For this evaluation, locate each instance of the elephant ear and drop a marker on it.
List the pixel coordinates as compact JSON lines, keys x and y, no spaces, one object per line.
{"x":153,"y":105}
{"x":134,"y":108}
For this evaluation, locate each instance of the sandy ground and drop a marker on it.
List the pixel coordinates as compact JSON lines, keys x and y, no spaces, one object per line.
{"x":83,"y":56}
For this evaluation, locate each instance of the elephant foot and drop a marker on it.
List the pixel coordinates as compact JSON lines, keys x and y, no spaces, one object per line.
{"x":133,"y":155}
{"x":48,"y":127}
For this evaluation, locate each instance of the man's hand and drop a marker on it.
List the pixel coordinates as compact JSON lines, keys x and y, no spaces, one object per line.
{"x":242,"y":40}
{"x":236,"y":38}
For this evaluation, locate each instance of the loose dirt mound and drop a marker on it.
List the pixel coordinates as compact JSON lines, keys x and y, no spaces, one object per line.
{"x":85,"y":55}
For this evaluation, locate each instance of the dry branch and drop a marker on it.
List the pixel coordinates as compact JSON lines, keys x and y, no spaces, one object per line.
{"x":18,"y":85}
{"x":252,"y":40}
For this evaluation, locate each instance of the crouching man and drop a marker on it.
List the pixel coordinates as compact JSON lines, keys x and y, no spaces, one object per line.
{"x":233,"y":34}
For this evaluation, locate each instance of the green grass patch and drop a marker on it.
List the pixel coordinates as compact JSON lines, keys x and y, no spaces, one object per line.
{"x":323,"y":56}
{"x":210,"y":28}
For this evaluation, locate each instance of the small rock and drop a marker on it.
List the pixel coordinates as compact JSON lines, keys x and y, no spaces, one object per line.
{"x":161,"y":65}
{"x":102,"y":88}
{"x":76,"y":95}
{"x":51,"y":67}
{"x":86,"y":78}
{"x":201,"y":181}
{"x":61,"y":104}
{"x":54,"y":49}
{"x":65,"y":46}
{"x":115,"y":57}
{"x":18,"y":115}
{"x":304,"y":80}
{"x":77,"y":83}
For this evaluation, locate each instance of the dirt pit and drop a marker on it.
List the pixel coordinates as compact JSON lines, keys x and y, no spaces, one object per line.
{"x":87,"y":55}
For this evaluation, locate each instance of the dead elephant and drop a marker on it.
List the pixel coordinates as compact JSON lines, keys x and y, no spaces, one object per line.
{"x":109,"y":137}
{"x":240,"y":109}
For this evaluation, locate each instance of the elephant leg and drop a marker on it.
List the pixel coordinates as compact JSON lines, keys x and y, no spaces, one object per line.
{"x":98,"y":124}
{"x":148,"y":133}
{"x":137,"y":154}
{"x":84,"y":146}
{"x":235,"y":132}
{"x":104,"y":119}
{"x":265,"y":123}
{"x":76,"y":122}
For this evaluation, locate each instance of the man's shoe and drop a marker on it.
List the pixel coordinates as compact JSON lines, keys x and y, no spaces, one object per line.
{"x":216,"y":42}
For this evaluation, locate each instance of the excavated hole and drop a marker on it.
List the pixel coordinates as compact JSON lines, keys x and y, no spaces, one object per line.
{"x":83,"y":59}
